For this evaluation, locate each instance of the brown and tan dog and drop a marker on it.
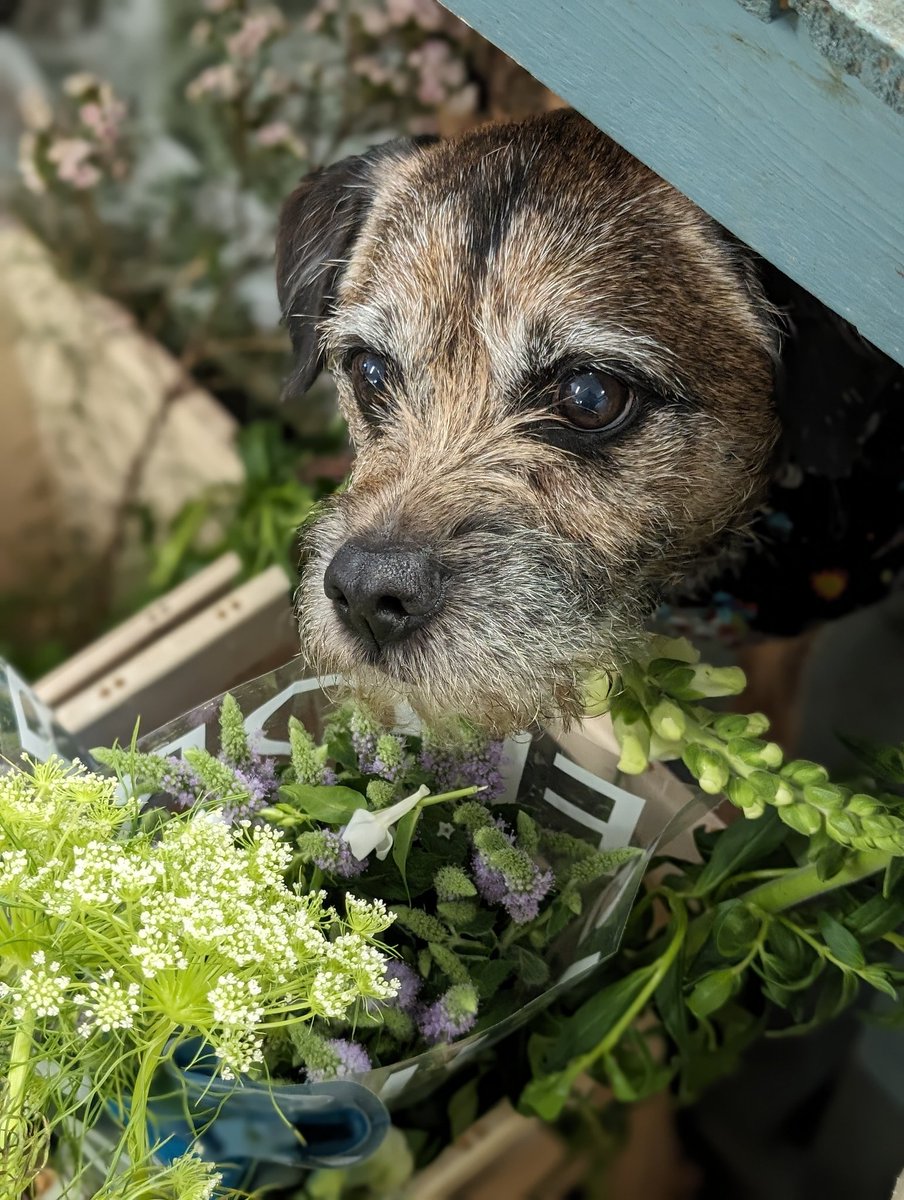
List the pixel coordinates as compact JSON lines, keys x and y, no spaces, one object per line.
{"x":557,"y":373}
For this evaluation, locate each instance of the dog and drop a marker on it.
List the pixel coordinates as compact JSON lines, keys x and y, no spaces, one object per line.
{"x":559,"y":376}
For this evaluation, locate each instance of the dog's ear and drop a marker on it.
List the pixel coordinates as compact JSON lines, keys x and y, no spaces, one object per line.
{"x":318,"y":226}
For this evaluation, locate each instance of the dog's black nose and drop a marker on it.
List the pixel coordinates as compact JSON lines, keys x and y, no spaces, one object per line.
{"x":384,"y":591}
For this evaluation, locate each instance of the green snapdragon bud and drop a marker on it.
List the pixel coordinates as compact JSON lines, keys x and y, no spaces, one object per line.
{"x":597,"y":694}
{"x":825,"y":796}
{"x":668,"y":720}
{"x":633,"y":733}
{"x":771,"y":788}
{"x":699,"y":682}
{"x":742,"y":793}
{"x":709,"y":769}
{"x":754,"y":752}
{"x":802,"y":772}
{"x":730,"y":725}
{"x":802,"y":819}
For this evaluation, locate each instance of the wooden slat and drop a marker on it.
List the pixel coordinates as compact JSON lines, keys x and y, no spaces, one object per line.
{"x":134,"y":634}
{"x":484,"y":1143}
{"x":249,"y":630}
{"x":748,"y":119}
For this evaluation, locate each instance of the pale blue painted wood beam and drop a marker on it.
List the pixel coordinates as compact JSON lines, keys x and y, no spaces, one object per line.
{"x":746,"y":117}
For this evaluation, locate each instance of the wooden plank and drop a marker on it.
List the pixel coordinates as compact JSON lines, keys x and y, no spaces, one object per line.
{"x":248,"y":631}
{"x":476,"y":1150}
{"x":132,"y":635}
{"x":748,"y":119}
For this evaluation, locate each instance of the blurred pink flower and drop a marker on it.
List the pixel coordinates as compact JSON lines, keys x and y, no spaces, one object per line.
{"x":221,"y":81}
{"x":71,"y":157}
{"x":439,"y":71}
{"x":103,"y":119}
{"x":369,"y":67}
{"x":425,"y":13}
{"x":279,"y":135}
{"x":374,"y":21}
{"x":257,"y":28}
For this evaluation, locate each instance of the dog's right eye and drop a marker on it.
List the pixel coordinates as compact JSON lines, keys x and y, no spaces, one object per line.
{"x":369,"y":373}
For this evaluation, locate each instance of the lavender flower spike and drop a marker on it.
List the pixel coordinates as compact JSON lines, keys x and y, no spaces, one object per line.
{"x":352,"y":1060}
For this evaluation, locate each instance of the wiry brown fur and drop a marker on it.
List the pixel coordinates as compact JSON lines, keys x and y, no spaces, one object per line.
{"x":475,"y":265}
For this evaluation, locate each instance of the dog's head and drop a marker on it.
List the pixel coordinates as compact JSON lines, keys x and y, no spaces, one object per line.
{"x":557,"y":373}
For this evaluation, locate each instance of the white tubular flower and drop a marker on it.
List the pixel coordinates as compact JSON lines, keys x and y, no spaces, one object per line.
{"x":371,"y":832}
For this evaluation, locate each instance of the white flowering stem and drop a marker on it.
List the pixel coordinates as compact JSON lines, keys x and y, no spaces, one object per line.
{"x":13,"y":1134}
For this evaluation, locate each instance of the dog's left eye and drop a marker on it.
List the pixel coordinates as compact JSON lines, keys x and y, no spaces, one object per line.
{"x":593,"y":399}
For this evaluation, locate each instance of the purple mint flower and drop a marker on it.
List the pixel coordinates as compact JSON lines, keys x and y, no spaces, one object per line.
{"x":330,"y":778}
{"x":365,"y":745}
{"x":259,"y":778}
{"x":337,"y":858}
{"x":353,"y":1060}
{"x":524,"y":906}
{"x":181,"y":782}
{"x":437,"y":1024}
{"x":480,"y":767}
{"x":410,"y":983}
{"x":489,"y":882}
{"x":521,"y":906}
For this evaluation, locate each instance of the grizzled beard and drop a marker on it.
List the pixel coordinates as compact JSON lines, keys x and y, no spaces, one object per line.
{"x":521,"y":627}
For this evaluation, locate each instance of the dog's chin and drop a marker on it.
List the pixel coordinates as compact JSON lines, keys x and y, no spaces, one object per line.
{"x":442,"y":678}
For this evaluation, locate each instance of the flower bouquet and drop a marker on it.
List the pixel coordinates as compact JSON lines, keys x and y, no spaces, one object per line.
{"x":274,"y":919}
{"x":278,"y":919}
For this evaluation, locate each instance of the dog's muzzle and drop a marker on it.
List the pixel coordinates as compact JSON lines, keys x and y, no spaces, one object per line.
{"x":384,"y":591}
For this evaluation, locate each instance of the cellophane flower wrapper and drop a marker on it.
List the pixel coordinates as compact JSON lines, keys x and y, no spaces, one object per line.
{"x":566,"y":780}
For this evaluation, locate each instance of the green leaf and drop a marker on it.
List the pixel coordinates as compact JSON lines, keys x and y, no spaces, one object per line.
{"x":735,"y":928}
{"x":631,"y":1070}
{"x":742,"y":843}
{"x":331,"y":805}
{"x":886,"y":762}
{"x":712,"y":991}
{"x":841,"y":942}
{"x":875,"y":917}
{"x":547,"y":1096}
{"x":587,"y":1027}
{"x":894,"y":874}
{"x":830,"y":859}
{"x":530,"y":968}
{"x":463,"y":1108}
{"x":404,"y":836}
{"x":490,"y":976}
{"x":877,"y":978}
